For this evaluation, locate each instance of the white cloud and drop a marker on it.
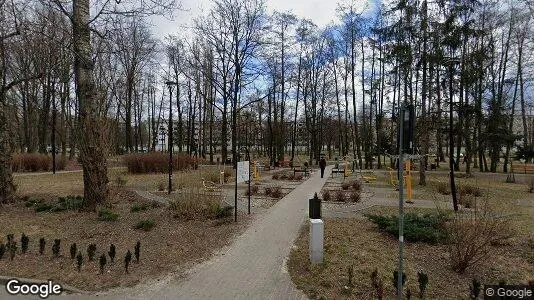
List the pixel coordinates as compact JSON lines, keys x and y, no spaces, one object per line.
{"x":321,"y":12}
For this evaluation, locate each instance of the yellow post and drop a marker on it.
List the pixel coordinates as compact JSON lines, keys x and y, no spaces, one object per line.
{"x":409,"y":181}
{"x":347,"y":172}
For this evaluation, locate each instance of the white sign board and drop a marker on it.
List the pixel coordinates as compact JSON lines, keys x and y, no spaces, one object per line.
{"x":243,"y":170}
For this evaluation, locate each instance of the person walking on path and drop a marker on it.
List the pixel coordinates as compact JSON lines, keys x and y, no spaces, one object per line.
{"x":322,"y":165}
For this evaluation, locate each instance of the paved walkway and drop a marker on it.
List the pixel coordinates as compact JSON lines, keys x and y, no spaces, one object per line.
{"x":253,"y":267}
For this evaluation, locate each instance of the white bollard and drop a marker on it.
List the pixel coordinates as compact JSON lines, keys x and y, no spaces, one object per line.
{"x":316,"y":241}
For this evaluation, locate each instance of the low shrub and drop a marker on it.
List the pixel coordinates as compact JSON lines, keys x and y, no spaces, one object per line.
{"x":106,"y":215}
{"x":127,"y":260}
{"x":158,"y":162}
{"x":467,"y":200}
{"x":471,"y":235}
{"x":277,"y":192}
{"x":2,"y":250}
{"x":102,"y":262}
{"x":276,"y":175}
{"x":194,"y":204}
{"x":254,"y":189}
{"x":138,"y":207}
{"x":326,"y":195}
{"x":531,"y":185}
{"x":345,"y":186}
{"x":145,"y":225}
{"x":298,"y":177}
{"x":268,"y":190}
{"x":354,"y":196}
{"x":73,"y":250}
{"x":356,"y":185}
{"x":79,"y":261}
{"x":42,"y":244}
{"x":137,"y":251}
{"x":162,"y":185}
{"x":112,"y":252}
{"x":61,"y":204}
{"x":56,"y":248}
{"x":35,"y":162}
{"x":222,"y":211}
{"x":339,"y":196}
{"x":120,"y":180}
{"x":427,"y":228}
{"x":443,"y":188}
{"x":468,"y":189}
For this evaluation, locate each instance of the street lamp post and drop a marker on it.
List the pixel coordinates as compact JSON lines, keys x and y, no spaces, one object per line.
{"x":169,"y":84}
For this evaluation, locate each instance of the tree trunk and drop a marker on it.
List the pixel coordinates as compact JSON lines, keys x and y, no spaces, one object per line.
{"x":92,"y":154}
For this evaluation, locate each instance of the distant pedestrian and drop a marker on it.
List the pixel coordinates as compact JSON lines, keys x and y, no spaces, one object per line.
{"x":322,"y":165}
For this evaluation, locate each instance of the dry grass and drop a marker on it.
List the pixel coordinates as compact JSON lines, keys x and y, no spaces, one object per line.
{"x":358,"y":243}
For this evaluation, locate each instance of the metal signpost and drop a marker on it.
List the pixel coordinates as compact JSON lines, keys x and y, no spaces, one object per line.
{"x":405,"y":146}
{"x":169,"y":84}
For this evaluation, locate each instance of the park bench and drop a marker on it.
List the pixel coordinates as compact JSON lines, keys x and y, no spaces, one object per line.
{"x":524,"y":168}
{"x":334,"y":171}
{"x":301,"y":170}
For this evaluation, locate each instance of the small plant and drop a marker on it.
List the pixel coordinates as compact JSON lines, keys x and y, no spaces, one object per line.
{"x":378,"y":285}
{"x":443,"y":188}
{"x":127,"y":259}
{"x":277,"y":193}
{"x":2,"y":250}
{"x":145,"y":225}
{"x":42,"y":244}
{"x":161,"y":186}
{"x":422,"y":279}
{"x":73,"y":251}
{"x":91,"y":250}
{"x":112,"y":252}
{"x":79,"y":261}
{"x":339,"y":196}
{"x":298,"y":177}
{"x":356,"y":185}
{"x":10,"y":239}
{"x":531,"y":185}
{"x":137,"y":251}
{"x":276,"y":176}
{"x":350,"y":272}
{"x":56,"y":247}
{"x":474,"y":289}
{"x":138,"y":207}
{"x":12,"y":250}
{"x":268,"y":190}
{"x":106,"y":215}
{"x":469,"y":190}
{"x":326,"y":195}
{"x":396,"y":279}
{"x":345,"y":186}
{"x":102,"y":262}
{"x":24,"y":240}
{"x":221,"y":212}
{"x":355,"y":196}
{"x":253,"y":190}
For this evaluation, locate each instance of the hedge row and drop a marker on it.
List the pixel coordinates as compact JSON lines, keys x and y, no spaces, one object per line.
{"x":35,"y":162}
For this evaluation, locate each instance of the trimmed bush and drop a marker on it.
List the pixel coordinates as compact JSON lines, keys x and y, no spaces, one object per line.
{"x":268,"y":190}
{"x":62,"y":204}
{"x":73,"y":249}
{"x":2,"y":250}
{"x":127,"y":260}
{"x":91,"y":250}
{"x":468,"y":189}
{"x":277,"y":192}
{"x":356,"y":185}
{"x":339,"y":196}
{"x":79,"y":261}
{"x":158,"y":162}
{"x":102,"y":262}
{"x":42,"y":244}
{"x":56,"y":248}
{"x":443,"y":188}
{"x":137,"y":251}
{"x":24,"y":240}
{"x":326,"y":195}
{"x":35,"y":162}
{"x":221,"y":212}
{"x":345,"y":185}
{"x":354,"y":196}
{"x":145,"y":225}
{"x":427,"y":228}
{"x":112,"y":252}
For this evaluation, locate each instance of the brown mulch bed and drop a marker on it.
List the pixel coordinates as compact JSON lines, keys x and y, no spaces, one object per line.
{"x":170,"y":246}
{"x":358,"y":243}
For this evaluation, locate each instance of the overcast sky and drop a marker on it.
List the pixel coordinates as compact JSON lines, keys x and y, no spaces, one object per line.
{"x":321,"y":12}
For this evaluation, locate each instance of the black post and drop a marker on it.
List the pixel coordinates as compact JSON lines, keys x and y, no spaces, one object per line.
{"x":248,"y":158}
{"x":235,"y":187}
{"x":169,"y":84}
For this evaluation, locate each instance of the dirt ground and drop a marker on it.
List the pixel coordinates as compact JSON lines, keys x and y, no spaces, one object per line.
{"x":169,"y":246}
{"x":352,"y":240}
{"x":358,"y":243}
